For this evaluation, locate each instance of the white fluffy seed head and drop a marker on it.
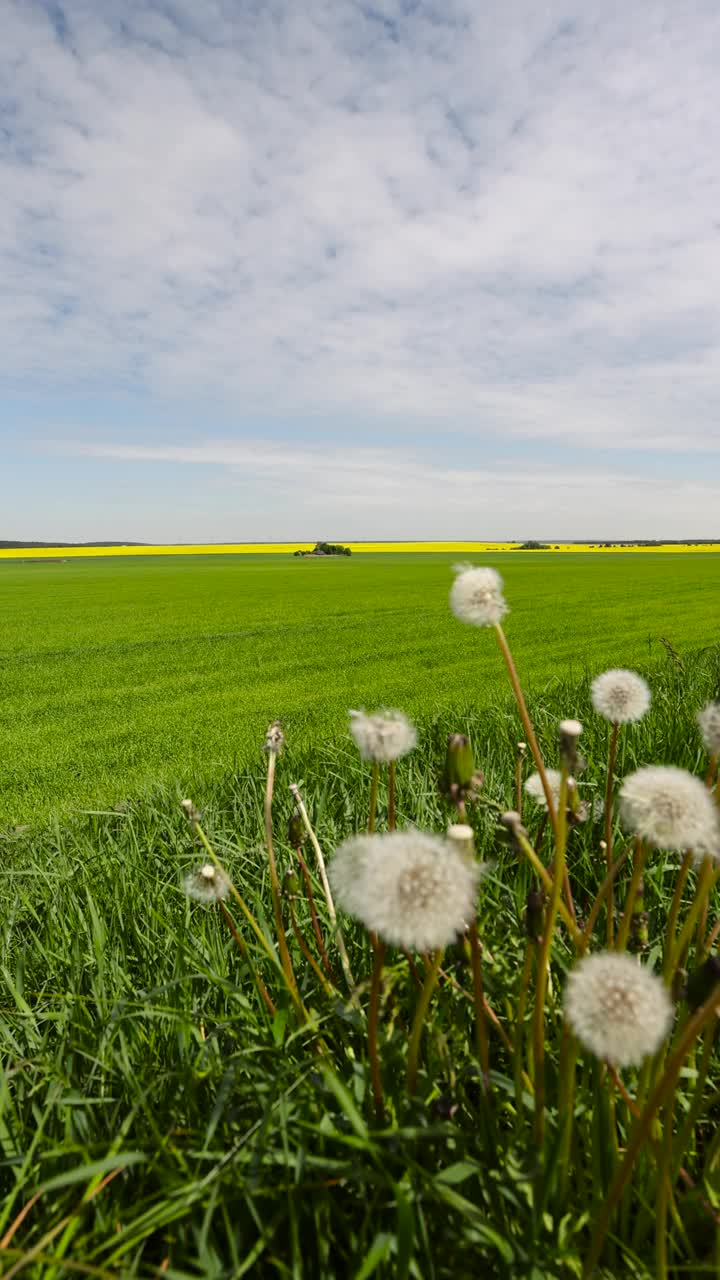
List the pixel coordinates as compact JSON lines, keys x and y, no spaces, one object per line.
{"x":383,"y":736}
{"x":620,"y":696}
{"x":709,"y":722}
{"x":671,"y":809}
{"x":534,"y":787}
{"x":617,"y":1009}
{"x":413,"y":889}
{"x":207,"y":884}
{"x":476,"y":596}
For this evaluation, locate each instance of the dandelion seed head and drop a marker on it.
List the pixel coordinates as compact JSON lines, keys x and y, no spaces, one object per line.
{"x":620,"y":696}
{"x":207,"y":884}
{"x":619,"y":1010}
{"x":274,"y":738}
{"x":671,"y":809}
{"x":476,"y":596}
{"x":534,"y":788}
{"x":383,"y":736}
{"x":709,"y":722}
{"x":413,"y":889}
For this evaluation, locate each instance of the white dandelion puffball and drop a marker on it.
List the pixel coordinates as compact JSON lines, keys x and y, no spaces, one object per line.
{"x":620,"y":696}
{"x":384,"y":736}
{"x":617,"y":1009}
{"x":415,"y":890}
{"x":671,"y":809}
{"x":534,"y":787}
{"x":709,"y":721}
{"x":207,"y":884}
{"x":476,"y":596}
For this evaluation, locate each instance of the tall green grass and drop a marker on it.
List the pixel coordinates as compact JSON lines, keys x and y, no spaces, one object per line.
{"x":154,"y":1120}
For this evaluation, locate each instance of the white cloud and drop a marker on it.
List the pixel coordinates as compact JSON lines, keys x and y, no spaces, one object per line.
{"x":500,"y":221}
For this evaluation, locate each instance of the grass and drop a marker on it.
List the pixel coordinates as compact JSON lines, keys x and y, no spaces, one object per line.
{"x":117,"y":672}
{"x":154,"y":1120}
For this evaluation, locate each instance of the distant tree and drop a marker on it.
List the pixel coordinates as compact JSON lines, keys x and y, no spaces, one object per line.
{"x":533,"y":546}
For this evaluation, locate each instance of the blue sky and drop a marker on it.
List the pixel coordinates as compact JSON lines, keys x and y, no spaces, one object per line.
{"x":334,"y":269}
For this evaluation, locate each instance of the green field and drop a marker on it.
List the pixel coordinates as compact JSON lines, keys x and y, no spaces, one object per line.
{"x":115,"y":673}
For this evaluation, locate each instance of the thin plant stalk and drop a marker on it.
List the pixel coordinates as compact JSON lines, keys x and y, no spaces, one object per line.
{"x":313,"y":916}
{"x":302,"y":943}
{"x":566,"y":1102}
{"x":372,"y":813}
{"x":684,"y":1136}
{"x":235,"y":893}
{"x":242,"y":948}
{"x":623,"y":932}
{"x":519,"y":758}
{"x":526,"y":721}
{"x":547,"y":882}
{"x":482,"y":1039}
{"x":391,"y":796}
{"x":423,"y":1003}
{"x":664,"y":1191}
{"x":344,"y":958}
{"x":609,"y":825}
{"x":519,"y":1036}
{"x":275,"y":884}
{"x":603,"y":892}
{"x":706,"y":882}
{"x":643,"y":1127}
{"x":544,"y":961}
{"x":674,"y":913}
{"x":373,"y":1017}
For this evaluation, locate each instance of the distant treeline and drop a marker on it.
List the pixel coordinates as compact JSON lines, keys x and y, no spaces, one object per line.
{"x":325,"y":549}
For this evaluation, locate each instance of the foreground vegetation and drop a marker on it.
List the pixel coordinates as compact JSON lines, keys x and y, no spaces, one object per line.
{"x":159,"y":1114}
{"x":118,"y":673}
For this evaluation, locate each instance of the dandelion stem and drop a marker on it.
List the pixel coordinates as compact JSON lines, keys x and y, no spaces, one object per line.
{"x":242,"y":948}
{"x":237,"y":895}
{"x":526,"y":721}
{"x":313,"y":915}
{"x":673,"y":914}
{"x":424,"y":999}
{"x":547,"y":882}
{"x":373,"y":796}
{"x":300,"y":939}
{"x":344,"y":958}
{"x":519,"y":1036}
{"x":706,"y":882}
{"x":481,"y":1032}
{"x":391,"y":796}
{"x":373,"y":1015}
{"x":623,"y":932}
{"x":520,"y":756}
{"x":275,"y":887}
{"x":643,"y":1127}
{"x":544,"y":960}
{"x":602,"y":893}
{"x":609,"y":826}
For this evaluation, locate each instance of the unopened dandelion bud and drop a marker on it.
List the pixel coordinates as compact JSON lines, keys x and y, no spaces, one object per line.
{"x":534,"y":915}
{"x":290,"y":883}
{"x":191,"y":813}
{"x":512,"y":823}
{"x":274,"y":738}
{"x":702,"y":982}
{"x":296,"y":831}
{"x":457,"y":779}
{"x":462,"y":837}
{"x":569,"y":731}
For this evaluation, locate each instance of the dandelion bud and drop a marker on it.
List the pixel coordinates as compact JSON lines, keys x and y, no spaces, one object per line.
{"x":296,"y":831}
{"x":274,"y":738}
{"x":569,"y":731}
{"x":290,"y":883}
{"x":639,"y":938}
{"x":462,"y":837}
{"x":534,"y":915}
{"x":702,"y":982}
{"x":522,"y":748}
{"x":191,"y":813}
{"x":459,"y":778}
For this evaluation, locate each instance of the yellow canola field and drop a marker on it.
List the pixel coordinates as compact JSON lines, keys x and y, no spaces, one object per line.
{"x":286,"y":548}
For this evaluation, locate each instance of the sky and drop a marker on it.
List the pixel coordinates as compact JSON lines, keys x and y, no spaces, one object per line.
{"x":330,"y":269}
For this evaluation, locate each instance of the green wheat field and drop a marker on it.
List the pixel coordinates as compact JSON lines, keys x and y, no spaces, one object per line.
{"x":121,"y":672}
{"x":157,"y":1117}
